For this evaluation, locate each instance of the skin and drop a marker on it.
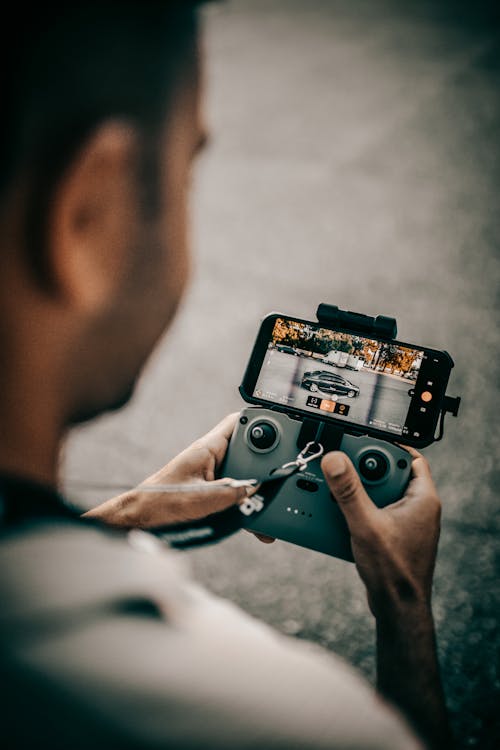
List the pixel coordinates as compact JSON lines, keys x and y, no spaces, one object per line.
{"x":77,"y":349}
{"x":198,"y":463}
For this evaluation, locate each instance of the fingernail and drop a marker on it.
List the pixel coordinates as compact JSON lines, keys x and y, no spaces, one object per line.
{"x":336,"y":465}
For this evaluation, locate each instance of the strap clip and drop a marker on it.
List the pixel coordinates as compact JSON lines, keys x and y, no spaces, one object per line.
{"x":303,"y":458}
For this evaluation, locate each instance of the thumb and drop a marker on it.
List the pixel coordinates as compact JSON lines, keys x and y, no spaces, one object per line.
{"x":346,"y":487}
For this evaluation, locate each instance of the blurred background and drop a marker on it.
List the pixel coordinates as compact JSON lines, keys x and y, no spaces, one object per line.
{"x":355,"y":160}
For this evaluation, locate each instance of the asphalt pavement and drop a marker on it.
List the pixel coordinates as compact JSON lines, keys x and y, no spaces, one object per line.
{"x":354,"y":160}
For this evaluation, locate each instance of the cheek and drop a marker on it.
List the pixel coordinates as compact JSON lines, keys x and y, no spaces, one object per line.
{"x":175,"y":231}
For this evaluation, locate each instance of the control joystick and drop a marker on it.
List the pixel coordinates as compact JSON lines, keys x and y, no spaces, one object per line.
{"x":262,"y":436}
{"x":373,"y":466}
{"x":303,"y":511}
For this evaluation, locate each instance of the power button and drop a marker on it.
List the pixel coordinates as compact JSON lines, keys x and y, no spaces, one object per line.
{"x":426,"y":396}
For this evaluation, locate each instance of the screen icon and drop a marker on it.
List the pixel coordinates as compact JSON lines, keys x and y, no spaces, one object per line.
{"x":327,"y":405}
{"x":314,"y":401}
{"x":334,"y":407}
{"x":343,"y":409}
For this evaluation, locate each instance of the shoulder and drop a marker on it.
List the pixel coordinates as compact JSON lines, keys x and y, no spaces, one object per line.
{"x":192,"y":670}
{"x":50,"y":567}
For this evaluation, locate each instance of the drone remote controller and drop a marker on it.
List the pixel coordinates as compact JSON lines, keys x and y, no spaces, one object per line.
{"x":304,"y":511}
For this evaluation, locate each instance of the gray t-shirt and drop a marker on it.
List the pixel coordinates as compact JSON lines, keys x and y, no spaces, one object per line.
{"x":107,"y":642}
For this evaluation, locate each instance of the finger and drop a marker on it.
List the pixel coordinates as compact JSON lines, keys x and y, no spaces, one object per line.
{"x":213,"y":500}
{"x":419,"y":466}
{"x":225,"y":427}
{"x":217,"y":496}
{"x":421,"y":488}
{"x":217,"y":439}
{"x":191,"y":506}
{"x":348,"y":491}
{"x":261,"y":537}
{"x":265,"y":539}
{"x":421,"y":469}
{"x":249,"y":490}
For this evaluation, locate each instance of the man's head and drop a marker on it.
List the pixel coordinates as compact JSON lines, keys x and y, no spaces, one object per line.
{"x":101,"y":123}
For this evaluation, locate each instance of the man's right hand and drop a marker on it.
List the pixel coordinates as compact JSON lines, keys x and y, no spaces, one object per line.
{"x":394,"y":547}
{"x":395,"y":551}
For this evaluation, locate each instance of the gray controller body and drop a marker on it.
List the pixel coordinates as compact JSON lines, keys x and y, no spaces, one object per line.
{"x":304,"y":511}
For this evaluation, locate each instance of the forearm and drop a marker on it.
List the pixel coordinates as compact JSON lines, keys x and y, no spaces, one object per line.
{"x":408,"y":671}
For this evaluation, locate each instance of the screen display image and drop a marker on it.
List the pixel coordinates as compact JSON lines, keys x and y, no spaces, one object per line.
{"x":345,"y":375}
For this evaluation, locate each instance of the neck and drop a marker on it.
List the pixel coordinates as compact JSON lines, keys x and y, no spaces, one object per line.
{"x":33,"y":387}
{"x":28,"y":451}
{"x":30,"y":431}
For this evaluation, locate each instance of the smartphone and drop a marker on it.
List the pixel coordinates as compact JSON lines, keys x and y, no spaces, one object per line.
{"x":373,"y":386}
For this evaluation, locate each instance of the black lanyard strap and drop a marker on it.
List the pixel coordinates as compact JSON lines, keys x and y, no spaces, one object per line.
{"x":220,"y":525}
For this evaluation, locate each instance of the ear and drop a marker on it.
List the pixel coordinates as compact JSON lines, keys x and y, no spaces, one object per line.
{"x":94,"y":218}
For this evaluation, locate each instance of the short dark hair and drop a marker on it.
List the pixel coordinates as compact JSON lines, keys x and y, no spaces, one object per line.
{"x":66,"y":67}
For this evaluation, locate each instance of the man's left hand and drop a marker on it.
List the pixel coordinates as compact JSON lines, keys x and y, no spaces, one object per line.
{"x":197,"y":463}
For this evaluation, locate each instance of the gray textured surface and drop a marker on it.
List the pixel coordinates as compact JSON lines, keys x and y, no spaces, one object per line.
{"x":355,"y":160}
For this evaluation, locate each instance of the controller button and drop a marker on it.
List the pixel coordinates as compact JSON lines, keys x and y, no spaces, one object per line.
{"x":263,"y":435}
{"x":307,"y":485}
{"x":373,"y":466}
{"x":243,"y":420}
{"x":402,"y":463}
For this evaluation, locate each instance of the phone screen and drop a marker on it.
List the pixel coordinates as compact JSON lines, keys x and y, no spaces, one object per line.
{"x":388,"y":387}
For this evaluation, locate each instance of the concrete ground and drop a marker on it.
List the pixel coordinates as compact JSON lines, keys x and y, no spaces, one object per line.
{"x":355,"y":161}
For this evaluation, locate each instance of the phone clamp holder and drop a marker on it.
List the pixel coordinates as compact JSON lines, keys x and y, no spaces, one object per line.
{"x":381,"y":327}
{"x":451,"y":405}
